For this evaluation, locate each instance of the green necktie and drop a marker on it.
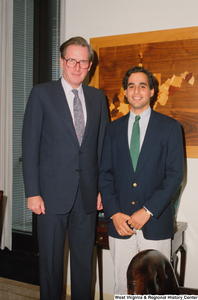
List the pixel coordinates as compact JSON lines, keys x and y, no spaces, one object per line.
{"x":135,"y":142}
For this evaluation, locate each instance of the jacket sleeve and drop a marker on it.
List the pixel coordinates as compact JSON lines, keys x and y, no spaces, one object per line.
{"x":174,"y":170}
{"x":31,"y":135}
{"x":106,"y":179}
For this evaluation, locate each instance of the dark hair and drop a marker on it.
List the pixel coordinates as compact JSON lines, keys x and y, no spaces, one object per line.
{"x":153,"y":84}
{"x":78,"y":40}
{"x":137,"y":69}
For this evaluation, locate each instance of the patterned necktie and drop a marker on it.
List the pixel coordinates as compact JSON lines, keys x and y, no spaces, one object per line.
{"x":135,"y":142}
{"x":78,"y":117}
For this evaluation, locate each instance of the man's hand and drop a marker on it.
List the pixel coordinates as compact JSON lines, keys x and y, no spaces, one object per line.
{"x":99,"y":202}
{"x":120,"y":223}
{"x":36,"y":205}
{"x":139,"y":219}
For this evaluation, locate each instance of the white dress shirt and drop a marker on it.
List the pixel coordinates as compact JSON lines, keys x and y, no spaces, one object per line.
{"x":143,"y":122}
{"x":70,"y":98}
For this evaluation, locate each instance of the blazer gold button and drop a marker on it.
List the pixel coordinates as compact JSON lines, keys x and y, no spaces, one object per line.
{"x":133,"y":202}
{"x":134,"y":184}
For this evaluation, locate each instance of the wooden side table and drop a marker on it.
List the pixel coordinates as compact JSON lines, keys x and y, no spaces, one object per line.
{"x":177,"y":245}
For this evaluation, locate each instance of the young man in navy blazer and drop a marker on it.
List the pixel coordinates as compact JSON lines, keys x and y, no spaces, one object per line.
{"x":137,"y":202}
{"x":61,"y":173}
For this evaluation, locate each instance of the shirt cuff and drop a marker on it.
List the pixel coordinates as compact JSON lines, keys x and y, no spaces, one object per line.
{"x":148,"y":211}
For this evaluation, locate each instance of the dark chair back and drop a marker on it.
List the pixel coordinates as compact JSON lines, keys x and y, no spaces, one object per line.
{"x":150,"y":272}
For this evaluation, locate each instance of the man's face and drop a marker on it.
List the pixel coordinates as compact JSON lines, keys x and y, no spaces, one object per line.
{"x":75,"y":76}
{"x":138,"y":92}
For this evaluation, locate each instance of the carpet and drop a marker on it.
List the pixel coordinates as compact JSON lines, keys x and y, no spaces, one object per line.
{"x":15,"y":290}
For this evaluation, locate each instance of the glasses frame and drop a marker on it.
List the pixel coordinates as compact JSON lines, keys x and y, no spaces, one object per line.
{"x":77,"y":62}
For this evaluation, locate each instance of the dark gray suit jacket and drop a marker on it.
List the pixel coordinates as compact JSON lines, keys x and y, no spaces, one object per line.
{"x":53,"y":163}
{"x":158,"y":175}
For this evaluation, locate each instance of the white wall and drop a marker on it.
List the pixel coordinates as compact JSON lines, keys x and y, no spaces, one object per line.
{"x":96,"y":18}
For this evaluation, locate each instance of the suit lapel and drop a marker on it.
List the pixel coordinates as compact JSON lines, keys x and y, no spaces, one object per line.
{"x":151,"y":136}
{"x":89,"y":101}
{"x":63,"y":109}
{"x":122,"y":137}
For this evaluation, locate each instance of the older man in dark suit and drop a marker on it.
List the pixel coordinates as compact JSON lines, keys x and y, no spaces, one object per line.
{"x":141,"y":170}
{"x":63,"y":131}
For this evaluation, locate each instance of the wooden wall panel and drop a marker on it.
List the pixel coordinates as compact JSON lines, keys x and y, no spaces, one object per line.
{"x":171,"y":55}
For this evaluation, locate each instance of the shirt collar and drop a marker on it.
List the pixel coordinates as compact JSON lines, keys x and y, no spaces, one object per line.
{"x":145,"y":114}
{"x":68,"y":89}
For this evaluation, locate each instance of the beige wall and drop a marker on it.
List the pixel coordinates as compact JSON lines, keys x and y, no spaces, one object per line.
{"x":96,"y":18}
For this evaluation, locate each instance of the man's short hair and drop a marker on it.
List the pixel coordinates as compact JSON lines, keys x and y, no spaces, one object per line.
{"x":137,"y":69}
{"x":79,"y":41}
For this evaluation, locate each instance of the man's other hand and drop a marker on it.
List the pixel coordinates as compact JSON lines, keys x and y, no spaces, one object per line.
{"x":36,"y":205}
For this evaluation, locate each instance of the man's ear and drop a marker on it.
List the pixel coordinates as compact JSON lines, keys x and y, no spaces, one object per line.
{"x":90,"y":64}
{"x":61,"y":62}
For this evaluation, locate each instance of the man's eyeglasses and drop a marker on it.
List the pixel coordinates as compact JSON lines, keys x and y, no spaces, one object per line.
{"x":71,"y":63}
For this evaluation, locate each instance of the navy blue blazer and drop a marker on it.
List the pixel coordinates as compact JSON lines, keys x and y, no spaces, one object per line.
{"x":53,"y":163}
{"x":158,"y":175}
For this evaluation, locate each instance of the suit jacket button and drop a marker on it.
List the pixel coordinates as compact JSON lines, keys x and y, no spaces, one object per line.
{"x":133,"y":203}
{"x":134,"y":184}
